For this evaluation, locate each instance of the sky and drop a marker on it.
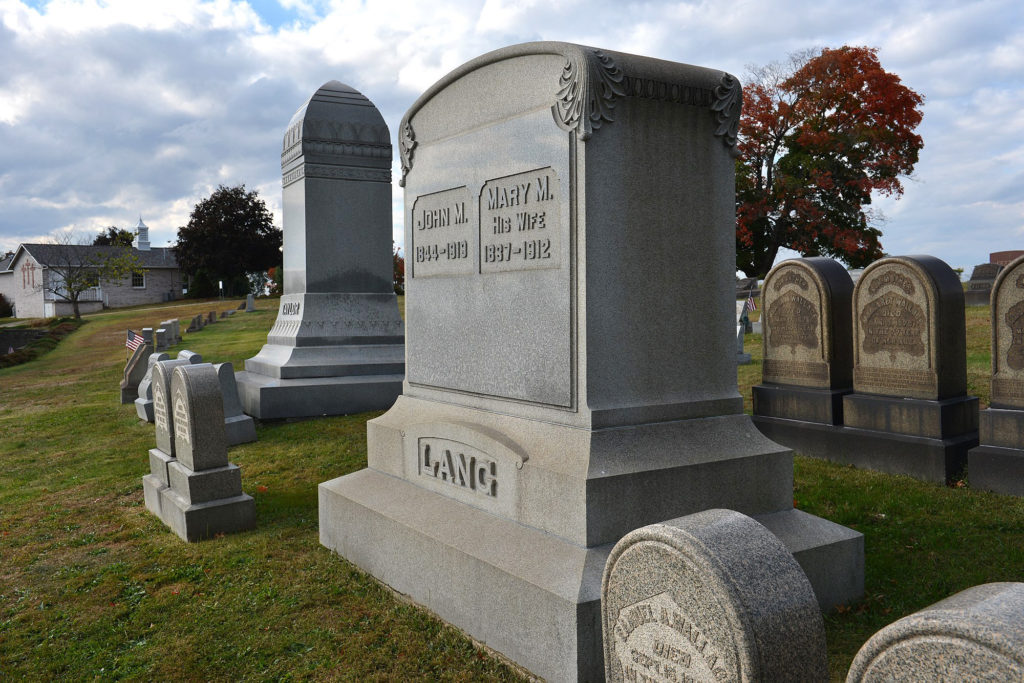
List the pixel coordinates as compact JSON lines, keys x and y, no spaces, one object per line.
{"x":115,"y":110}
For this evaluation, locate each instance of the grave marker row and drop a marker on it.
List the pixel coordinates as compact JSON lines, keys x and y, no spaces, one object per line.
{"x":191,"y":486}
{"x":872,"y":375}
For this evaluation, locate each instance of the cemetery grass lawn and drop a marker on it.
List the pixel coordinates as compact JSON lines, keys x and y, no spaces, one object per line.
{"x":922,"y":542}
{"x":92,"y":585}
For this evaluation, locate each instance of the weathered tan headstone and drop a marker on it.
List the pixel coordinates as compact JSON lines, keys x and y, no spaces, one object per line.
{"x":998,"y":463}
{"x":910,"y":371}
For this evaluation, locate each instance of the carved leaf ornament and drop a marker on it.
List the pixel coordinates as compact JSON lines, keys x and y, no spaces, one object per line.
{"x":588,"y":87}
{"x":587,"y":90}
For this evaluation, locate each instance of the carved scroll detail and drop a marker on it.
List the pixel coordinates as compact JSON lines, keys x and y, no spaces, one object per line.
{"x":406,"y":145}
{"x":727,"y":106}
{"x":588,"y":87}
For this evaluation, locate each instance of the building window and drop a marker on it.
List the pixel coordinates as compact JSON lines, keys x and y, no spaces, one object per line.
{"x":139,"y":280}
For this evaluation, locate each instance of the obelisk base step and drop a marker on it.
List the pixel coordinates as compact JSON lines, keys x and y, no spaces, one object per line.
{"x":267,"y":398}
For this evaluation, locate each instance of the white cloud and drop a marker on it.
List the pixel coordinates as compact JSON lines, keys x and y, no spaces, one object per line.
{"x":112,"y":108}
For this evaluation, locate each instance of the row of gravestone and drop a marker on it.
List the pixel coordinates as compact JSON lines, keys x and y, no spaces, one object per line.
{"x":715,"y":596}
{"x":875,"y":375}
{"x":163,"y":337}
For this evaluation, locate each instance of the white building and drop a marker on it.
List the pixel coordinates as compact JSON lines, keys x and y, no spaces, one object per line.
{"x":29,"y":282}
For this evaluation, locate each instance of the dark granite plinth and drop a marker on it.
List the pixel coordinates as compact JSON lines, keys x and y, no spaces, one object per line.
{"x":1001,"y":427}
{"x":949,"y":418}
{"x":993,"y":468}
{"x":799,"y":403}
{"x":929,"y":459}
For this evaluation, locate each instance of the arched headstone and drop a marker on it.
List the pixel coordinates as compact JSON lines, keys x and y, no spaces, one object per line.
{"x":910,"y":405}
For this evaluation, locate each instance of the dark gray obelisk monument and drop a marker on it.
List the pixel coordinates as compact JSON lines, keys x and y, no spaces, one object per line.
{"x":337,"y":346}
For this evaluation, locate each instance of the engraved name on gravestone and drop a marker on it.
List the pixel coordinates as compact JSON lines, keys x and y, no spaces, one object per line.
{"x":163,"y":409}
{"x":900,"y":347}
{"x":806,"y":306}
{"x":509,"y":235}
{"x":713,"y":596}
{"x":1008,"y":338}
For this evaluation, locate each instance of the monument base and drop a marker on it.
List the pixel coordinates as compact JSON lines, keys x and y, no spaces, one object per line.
{"x":997,"y":469}
{"x":129,"y":395}
{"x":925,"y":458}
{"x":998,"y":463}
{"x":144,"y":409}
{"x":799,"y":403}
{"x":240,"y":429}
{"x":267,"y":398}
{"x":528,"y":594}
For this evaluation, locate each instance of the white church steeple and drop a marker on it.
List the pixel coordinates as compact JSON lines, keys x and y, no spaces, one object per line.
{"x":142,"y":236}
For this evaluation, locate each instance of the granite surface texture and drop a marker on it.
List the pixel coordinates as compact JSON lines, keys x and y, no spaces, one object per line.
{"x":239,"y":427}
{"x":713,"y":596}
{"x":537,"y":424}
{"x":975,"y":635}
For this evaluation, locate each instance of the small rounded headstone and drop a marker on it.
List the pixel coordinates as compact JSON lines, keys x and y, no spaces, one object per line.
{"x":975,"y":635}
{"x":713,"y":596}
{"x":806,"y":320}
{"x":199,"y":439}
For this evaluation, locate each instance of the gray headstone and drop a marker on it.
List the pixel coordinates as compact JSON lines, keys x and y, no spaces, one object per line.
{"x":224,"y":314}
{"x":250,"y":304}
{"x":998,"y":463}
{"x":201,"y":495}
{"x":556,"y":398}
{"x":713,"y":596}
{"x":198,"y":423}
{"x":134,"y":372}
{"x":239,"y":427}
{"x":163,"y":408}
{"x":742,"y":320}
{"x":144,"y":403}
{"x":162,"y":339}
{"x":147,"y":335}
{"x":191,"y":356}
{"x":211,"y":318}
{"x":975,"y":635}
{"x":337,"y":344}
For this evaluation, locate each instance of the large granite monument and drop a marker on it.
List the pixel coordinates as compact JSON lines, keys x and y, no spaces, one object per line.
{"x":555,"y":398}
{"x":337,"y":344}
{"x":979,"y":287}
{"x":998,"y":463}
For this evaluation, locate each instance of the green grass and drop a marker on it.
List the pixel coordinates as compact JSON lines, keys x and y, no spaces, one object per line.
{"x":93,"y":586}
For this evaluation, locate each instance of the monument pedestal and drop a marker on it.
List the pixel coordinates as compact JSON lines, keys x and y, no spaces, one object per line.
{"x":792,"y":402}
{"x":465,"y":510}
{"x":998,"y":463}
{"x":327,"y":354}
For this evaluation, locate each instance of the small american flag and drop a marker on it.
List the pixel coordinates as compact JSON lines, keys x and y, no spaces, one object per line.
{"x":133,"y":341}
{"x":751,"y":304}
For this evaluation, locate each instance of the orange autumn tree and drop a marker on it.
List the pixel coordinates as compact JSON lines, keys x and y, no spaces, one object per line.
{"x":818,"y":136}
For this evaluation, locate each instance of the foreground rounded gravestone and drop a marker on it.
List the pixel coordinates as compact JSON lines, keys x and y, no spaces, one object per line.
{"x":712,"y":596}
{"x":975,"y":635}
